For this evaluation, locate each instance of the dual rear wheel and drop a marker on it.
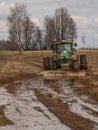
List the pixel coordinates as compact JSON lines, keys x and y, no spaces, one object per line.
{"x":80,"y":63}
{"x":83,"y":62}
{"x":48,"y":64}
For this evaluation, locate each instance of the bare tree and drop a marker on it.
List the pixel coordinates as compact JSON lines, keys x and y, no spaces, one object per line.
{"x":22,"y":31}
{"x":36,"y":37}
{"x":27,"y":32}
{"x":39,"y":37}
{"x":49,"y":31}
{"x":83,"y":40}
{"x":59,"y":27}
{"x":15,"y":23}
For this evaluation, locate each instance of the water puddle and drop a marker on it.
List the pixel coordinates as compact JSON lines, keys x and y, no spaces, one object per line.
{"x":22,"y":107}
{"x":78,"y":105}
{"x":25,"y":111}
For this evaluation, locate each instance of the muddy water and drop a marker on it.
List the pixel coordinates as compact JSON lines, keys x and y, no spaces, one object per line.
{"x":81,"y":105}
{"x":22,"y":107}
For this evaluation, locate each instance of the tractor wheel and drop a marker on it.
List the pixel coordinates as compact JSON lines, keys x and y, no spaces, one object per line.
{"x":46,"y":63}
{"x":75,"y":66}
{"x":54,"y":65}
{"x":58,"y":64}
{"x":83,"y":61}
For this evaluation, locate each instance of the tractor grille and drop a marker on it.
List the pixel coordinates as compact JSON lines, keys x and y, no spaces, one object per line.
{"x":64,"y":60}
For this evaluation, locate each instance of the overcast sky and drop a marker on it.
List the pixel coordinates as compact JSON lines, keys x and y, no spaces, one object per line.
{"x":84,"y":13}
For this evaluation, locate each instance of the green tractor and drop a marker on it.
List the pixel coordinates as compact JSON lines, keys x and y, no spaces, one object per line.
{"x":65,"y":57}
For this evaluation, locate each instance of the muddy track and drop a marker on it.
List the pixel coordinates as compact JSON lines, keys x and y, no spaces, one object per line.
{"x":61,"y":110}
{"x":72,"y":110}
{"x":69,"y":106}
{"x":24,"y":98}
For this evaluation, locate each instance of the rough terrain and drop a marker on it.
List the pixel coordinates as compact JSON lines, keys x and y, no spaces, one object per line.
{"x":31,"y":98}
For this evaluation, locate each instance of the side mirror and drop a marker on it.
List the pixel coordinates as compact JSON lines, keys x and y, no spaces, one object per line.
{"x":75,"y":44}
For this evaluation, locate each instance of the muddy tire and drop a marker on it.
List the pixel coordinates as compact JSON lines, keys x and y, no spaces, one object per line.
{"x":54,"y":65}
{"x":46,"y":63}
{"x":58,"y":64}
{"x":83,"y":61}
{"x":75,"y":66}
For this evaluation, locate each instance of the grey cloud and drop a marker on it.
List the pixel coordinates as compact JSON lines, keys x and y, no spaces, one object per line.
{"x":81,"y":8}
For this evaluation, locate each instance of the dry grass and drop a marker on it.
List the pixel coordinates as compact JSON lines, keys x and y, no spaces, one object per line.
{"x":15,"y":66}
{"x":3,"y":120}
{"x":92,"y":56}
{"x":91,"y":81}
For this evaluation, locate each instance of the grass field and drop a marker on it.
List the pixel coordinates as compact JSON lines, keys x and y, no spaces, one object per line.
{"x":15,"y":66}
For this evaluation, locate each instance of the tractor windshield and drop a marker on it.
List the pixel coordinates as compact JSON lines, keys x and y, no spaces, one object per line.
{"x":64,"y":46}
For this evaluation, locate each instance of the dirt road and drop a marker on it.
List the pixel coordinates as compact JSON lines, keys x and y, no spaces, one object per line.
{"x":41,"y":104}
{"x":31,"y":99}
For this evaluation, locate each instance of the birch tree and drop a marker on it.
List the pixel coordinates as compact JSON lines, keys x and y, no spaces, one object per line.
{"x":22,"y":30}
{"x":27,"y":32}
{"x":16,"y":17}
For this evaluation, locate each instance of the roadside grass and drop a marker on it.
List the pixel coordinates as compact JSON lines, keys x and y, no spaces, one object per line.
{"x":93,"y":92}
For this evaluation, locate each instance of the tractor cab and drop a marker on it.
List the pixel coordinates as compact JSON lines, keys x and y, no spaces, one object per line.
{"x":63,"y":46}
{"x":64,"y":50}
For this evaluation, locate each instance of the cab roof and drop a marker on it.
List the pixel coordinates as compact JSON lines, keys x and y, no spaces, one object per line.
{"x":63,"y":41}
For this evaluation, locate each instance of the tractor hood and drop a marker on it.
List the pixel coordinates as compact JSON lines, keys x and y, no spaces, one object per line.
{"x":64,"y":54}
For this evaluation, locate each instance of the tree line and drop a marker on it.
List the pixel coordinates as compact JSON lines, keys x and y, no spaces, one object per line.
{"x":25,"y":34}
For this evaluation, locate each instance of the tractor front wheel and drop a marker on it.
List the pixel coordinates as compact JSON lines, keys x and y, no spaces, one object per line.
{"x":75,"y":66}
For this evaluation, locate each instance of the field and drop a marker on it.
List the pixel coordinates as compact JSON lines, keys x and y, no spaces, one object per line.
{"x":16,"y":68}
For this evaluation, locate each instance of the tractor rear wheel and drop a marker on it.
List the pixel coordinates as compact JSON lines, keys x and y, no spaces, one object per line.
{"x":46,"y":63}
{"x":75,"y":66}
{"x":83,"y":61}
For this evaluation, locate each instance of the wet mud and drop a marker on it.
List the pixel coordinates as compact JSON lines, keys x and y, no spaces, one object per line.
{"x":44,"y":104}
